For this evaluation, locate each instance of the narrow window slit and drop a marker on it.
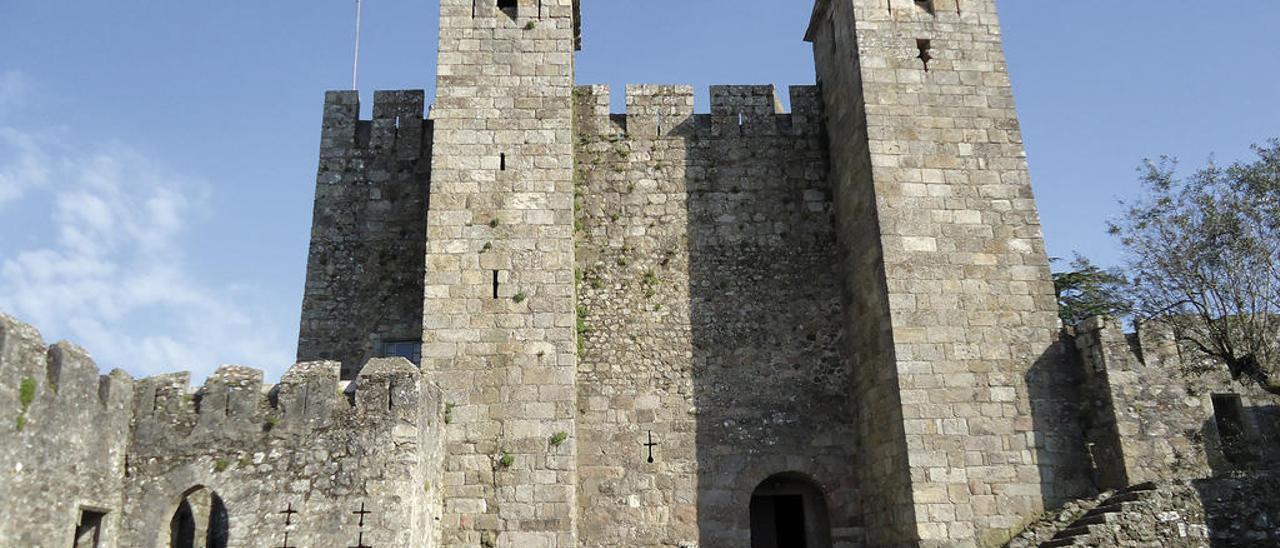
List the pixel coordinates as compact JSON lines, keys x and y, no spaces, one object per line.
{"x":742,"y":124}
{"x":502,"y":162}
{"x":495,"y":284}
{"x":391,"y":395}
{"x":924,"y":46}
{"x":659,"y":124}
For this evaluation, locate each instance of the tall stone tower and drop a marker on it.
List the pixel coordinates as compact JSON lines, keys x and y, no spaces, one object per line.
{"x":498,"y":314}
{"x":951,"y":323}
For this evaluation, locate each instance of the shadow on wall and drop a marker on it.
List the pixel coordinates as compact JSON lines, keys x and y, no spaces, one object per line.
{"x":1058,"y":416}
{"x":770,"y":385}
{"x":1240,"y":508}
{"x":1238,"y":438}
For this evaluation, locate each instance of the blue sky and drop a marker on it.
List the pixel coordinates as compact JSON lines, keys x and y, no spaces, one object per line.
{"x":157,"y":159}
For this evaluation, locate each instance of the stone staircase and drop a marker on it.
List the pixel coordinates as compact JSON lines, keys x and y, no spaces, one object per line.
{"x":1097,"y":524}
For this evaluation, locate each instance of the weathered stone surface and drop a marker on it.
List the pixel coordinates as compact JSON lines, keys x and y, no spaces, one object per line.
{"x":368,"y":234}
{"x":637,"y":329}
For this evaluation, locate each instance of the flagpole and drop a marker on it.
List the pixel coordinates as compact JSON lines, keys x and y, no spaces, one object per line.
{"x":355,"y":65}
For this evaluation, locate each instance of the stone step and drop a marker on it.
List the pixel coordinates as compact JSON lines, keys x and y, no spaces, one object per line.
{"x":1134,"y":496}
{"x":1112,"y":508}
{"x":1141,"y":487}
{"x":1072,"y":532}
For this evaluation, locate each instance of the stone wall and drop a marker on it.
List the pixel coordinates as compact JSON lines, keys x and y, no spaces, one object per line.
{"x":302,"y":457}
{"x":498,"y":315}
{"x":1152,"y":414}
{"x":708,"y":310}
{"x":964,"y":390}
{"x":79,"y":445}
{"x":368,"y":235}
{"x":1233,"y":509}
{"x":65,"y":429}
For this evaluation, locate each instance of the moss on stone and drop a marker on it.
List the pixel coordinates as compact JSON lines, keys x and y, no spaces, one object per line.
{"x":558,"y":438}
{"x":26,"y":392}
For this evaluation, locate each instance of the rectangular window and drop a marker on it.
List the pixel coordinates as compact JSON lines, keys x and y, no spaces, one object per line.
{"x":89,"y":530}
{"x":1233,"y":431}
{"x":409,"y":350}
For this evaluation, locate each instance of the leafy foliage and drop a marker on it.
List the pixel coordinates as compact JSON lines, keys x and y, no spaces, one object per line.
{"x":558,"y":438}
{"x":1204,"y":255}
{"x":1087,"y":290}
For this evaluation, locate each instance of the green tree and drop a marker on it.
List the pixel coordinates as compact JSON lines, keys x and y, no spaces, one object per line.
{"x":1087,"y":290}
{"x":1204,"y":259}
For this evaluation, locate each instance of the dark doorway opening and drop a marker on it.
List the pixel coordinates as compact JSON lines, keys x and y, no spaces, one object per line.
{"x":1233,"y":431}
{"x":200,"y":515}
{"x":89,"y":529}
{"x":789,"y":511}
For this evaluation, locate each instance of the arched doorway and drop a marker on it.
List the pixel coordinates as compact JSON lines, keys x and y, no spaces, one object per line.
{"x":201,"y":521}
{"x":789,"y":511}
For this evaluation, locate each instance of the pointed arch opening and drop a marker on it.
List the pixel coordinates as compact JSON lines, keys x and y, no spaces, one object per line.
{"x":200,"y":521}
{"x":789,"y":510}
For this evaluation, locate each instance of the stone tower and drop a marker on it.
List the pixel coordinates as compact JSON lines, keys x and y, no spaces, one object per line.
{"x":498,"y":314}
{"x":951,"y":317}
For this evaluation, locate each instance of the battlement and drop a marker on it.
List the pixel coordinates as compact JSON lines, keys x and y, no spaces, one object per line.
{"x":36,"y":380}
{"x":235,"y":402}
{"x":737,"y":111}
{"x":399,"y":124}
{"x":1156,"y":408}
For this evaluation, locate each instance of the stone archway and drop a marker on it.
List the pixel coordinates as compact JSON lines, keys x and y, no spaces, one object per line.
{"x":789,"y":511}
{"x":200,"y":521}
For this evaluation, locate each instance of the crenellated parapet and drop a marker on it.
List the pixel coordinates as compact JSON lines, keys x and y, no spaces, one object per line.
{"x":1158,"y":410}
{"x":311,"y":443}
{"x":65,"y":428}
{"x":233,"y":405}
{"x":667,"y":111}
{"x":398,"y":125}
{"x":365,"y":268}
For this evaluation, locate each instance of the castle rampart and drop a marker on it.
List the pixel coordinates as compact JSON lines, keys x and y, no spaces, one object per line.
{"x":708,"y":313}
{"x":1156,"y":412}
{"x":89,"y":450}
{"x":311,"y":444}
{"x":65,"y":429}
{"x":531,"y":321}
{"x":363,"y":296}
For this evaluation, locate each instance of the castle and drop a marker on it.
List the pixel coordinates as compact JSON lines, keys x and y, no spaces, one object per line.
{"x":529,"y":322}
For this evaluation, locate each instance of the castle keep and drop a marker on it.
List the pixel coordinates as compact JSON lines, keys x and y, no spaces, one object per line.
{"x":532,"y":322}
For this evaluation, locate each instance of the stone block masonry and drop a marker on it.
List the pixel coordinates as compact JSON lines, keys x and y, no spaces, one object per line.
{"x":708,"y":310}
{"x":302,"y":457}
{"x":368,"y":235}
{"x":107,"y":461}
{"x":656,"y":328}
{"x":1155,"y":412}
{"x":65,"y":432}
{"x":498,"y":318}
{"x":961,"y":376}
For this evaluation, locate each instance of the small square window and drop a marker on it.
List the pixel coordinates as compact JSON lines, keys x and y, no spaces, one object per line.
{"x":89,"y":529}
{"x":409,"y":350}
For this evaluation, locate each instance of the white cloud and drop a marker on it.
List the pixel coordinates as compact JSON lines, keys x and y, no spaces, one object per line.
{"x":112,"y":275}
{"x":23,"y":164}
